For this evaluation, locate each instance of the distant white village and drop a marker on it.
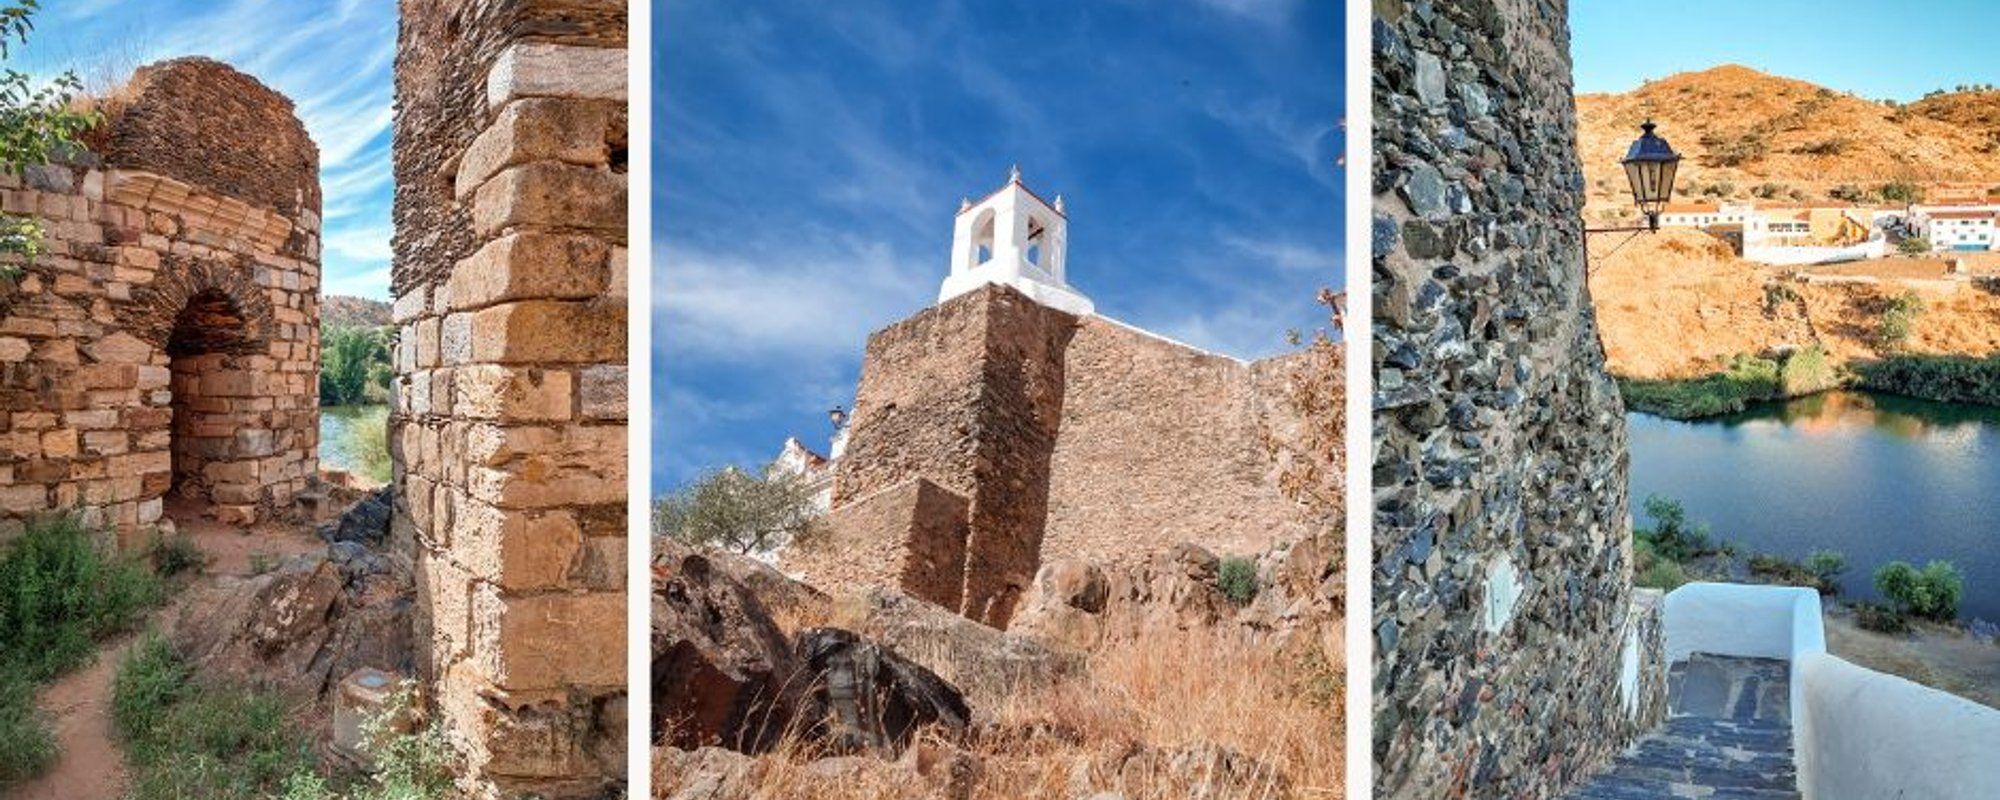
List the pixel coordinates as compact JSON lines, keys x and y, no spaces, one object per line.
{"x":1951,"y":221}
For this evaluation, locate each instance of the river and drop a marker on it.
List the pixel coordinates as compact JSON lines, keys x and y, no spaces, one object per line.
{"x":355,"y":439}
{"x":1879,"y":478}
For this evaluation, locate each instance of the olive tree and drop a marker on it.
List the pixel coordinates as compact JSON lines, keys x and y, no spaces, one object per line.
{"x":732,"y":509}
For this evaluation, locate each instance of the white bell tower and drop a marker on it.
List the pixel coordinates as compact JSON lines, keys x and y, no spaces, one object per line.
{"x":1013,"y":238}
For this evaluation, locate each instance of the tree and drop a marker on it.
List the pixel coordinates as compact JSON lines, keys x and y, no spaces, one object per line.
{"x":740,"y":511}
{"x":354,"y":366}
{"x":1913,"y":246}
{"x":38,"y":124}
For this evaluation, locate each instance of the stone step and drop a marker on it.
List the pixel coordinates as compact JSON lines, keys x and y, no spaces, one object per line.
{"x":1729,"y":738}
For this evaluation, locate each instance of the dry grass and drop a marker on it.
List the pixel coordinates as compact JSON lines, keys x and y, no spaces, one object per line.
{"x":1119,"y":728}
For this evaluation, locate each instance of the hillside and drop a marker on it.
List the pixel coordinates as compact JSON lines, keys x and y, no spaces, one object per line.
{"x":337,"y":310}
{"x":1679,"y":303}
{"x":1742,"y":129}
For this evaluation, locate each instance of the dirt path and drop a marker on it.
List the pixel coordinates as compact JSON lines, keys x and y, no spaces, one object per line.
{"x":92,"y":765}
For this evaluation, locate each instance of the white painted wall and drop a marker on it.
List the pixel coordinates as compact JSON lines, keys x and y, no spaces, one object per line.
{"x":1858,"y":734}
{"x":1787,"y":255}
{"x":1001,"y":227}
{"x":1870,"y":736}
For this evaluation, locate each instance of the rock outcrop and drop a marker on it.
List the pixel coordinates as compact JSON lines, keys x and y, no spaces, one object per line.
{"x":301,"y":627}
{"x":866,"y":697}
{"x":722,"y":671}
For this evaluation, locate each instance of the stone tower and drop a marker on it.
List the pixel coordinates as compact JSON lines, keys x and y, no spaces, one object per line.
{"x":1013,"y":238}
{"x":509,"y":424}
{"x":1009,"y":424}
{"x":166,"y":343}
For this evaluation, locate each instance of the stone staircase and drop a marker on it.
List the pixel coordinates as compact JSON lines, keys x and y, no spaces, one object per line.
{"x":1728,"y":736}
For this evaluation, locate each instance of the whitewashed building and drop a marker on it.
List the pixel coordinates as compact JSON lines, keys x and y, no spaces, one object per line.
{"x":1013,"y":238}
{"x":1969,"y":229}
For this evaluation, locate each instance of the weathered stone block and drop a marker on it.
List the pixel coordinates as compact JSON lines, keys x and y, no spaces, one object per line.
{"x":552,"y":195}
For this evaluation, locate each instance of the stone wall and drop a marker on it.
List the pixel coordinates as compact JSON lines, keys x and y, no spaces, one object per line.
{"x":508,"y":430}
{"x":1162,"y":444}
{"x":911,"y":535}
{"x":1069,"y":437}
{"x":168,"y":340}
{"x":1503,"y":596}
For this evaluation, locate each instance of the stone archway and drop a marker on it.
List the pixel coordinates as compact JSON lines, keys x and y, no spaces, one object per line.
{"x":225,"y":431}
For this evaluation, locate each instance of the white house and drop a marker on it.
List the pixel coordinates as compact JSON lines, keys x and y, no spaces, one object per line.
{"x":1960,"y":230}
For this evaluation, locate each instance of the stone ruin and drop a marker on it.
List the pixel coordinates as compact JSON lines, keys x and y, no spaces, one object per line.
{"x":993,"y":432}
{"x":509,"y":424}
{"x":1512,"y":653}
{"x":167,"y":341}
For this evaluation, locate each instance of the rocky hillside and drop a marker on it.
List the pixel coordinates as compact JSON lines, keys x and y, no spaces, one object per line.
{"x":337,"y":310}
{"x":1679,"y":303}
{"x":1743,"y":129}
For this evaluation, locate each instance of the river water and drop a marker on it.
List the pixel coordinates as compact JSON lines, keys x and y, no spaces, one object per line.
{"x":1878,"y":477}
{"x":355,"y":439}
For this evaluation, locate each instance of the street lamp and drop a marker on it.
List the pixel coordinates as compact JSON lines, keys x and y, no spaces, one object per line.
{"x":838,"y":416}
{"x":1650,"y":165}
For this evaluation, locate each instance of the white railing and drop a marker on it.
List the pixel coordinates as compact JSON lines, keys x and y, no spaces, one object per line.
{"x":1857,"y":734}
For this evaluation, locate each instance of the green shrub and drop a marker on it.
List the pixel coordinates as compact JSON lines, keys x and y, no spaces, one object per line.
{"x":1897,"y":320}
{"x":1808,"y":370}
{"x":59,"y":594}
{"x":1237,"y":578}
{"x":1913,"y":246}
{"x":174,"y":555}
{"x":1743,"y":380}
{"x":1900,"y":192}
{"x":186,"y":739}
{"x":1933,"y":592}
{"x":1782,"y":571}
{"x":1880,"y":619}
{"x":1952,"y":379}
{"x":1827,"y":566}
{"x":1661,"y":574}
{"x":27,"y":746}
{"x":1670,"y":536}
{"x":408,"y":766}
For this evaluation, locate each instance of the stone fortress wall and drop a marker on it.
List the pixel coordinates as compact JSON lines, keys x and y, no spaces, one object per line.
{"x":509,"y":424}
{"x":167,"y":341}
{"x":1512,"y":654}
{"x":1061,"y":437}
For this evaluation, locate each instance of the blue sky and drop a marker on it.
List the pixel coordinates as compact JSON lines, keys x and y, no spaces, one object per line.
{"x":1877,"y":50}
{"x":809,"y":158}
{"x":333,"y":58}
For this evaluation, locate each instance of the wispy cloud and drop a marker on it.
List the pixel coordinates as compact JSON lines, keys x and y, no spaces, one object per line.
{"x":333,"y":59}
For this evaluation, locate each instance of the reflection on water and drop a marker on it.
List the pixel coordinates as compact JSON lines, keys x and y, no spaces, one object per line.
{"x":1878,"y":477}
{"x":355,"y":439}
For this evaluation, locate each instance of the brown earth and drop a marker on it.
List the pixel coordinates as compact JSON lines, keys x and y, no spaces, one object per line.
{"x":1790,"y":132}
{"x":1941,"y":657}
{"x":1678,"y":303}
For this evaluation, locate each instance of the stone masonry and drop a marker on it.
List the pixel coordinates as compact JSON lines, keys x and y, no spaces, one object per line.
{"x":1060,"y":436}
{"x":509,"y":423}
{"x":1512,"y":656}
{"x":168,"y":340}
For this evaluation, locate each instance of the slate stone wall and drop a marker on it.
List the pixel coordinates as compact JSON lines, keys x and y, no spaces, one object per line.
{"x":1502,"y":583}
{"x":167,"y":341}
{"x":509,"y":424}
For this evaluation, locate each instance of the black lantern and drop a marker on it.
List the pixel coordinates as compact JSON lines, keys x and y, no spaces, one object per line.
{"x":838,"y":416}
{"x":1650,"y":165}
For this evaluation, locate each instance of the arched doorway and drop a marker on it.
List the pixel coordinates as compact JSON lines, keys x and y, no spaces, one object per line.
{"x":215,"y":384}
